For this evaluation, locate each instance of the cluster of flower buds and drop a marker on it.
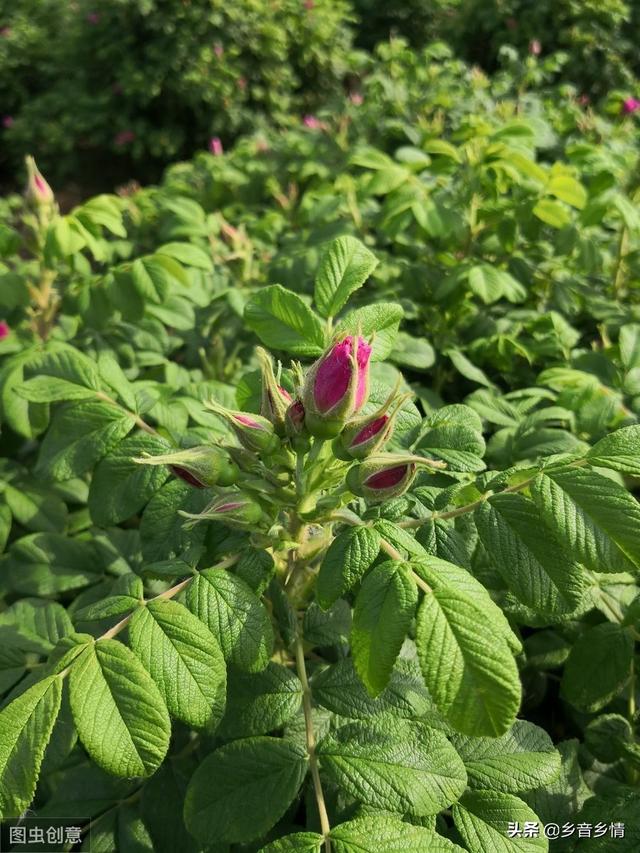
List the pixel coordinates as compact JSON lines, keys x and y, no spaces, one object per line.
{"x":254,"y":432}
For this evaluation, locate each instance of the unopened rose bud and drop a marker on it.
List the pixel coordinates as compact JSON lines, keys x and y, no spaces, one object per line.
{"x":215,"y":146}
{"x":275,"y":400}
{"x":5,"y":331}
{"x":630,"y":106}
{"x":535,"y":48}
{"x":294,"y":419}
{"x":234,"y":509}
{"x":37,"y":192}
{"x":200,"y":466}
{"x":336,"y":386}
{"x":254,"y":432}
{"x":367,"y":435}
{"x":386,"y":475}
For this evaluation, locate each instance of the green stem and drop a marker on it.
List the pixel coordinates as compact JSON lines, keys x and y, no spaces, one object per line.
{"x":143,"y":425}
{"x":311,"y":742}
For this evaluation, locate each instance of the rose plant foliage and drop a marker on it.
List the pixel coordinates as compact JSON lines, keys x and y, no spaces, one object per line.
{"x":262,"y":591}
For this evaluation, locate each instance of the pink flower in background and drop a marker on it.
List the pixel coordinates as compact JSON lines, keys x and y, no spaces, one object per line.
{"x":5,"y":331}
{"x":242,"y":83}
{"x":356,"y":99}
{"x":630,"y":105}
{"x":5,"y":32}
{"x":262,"y":146}
{"x":313,"y":123}
{"x":93,"y":18}
{"x":218,"y":50}
{"x":535,"y":48}
{"x":584,"y":100}
{"x":7,"y":121}
{"x":124,"y":137}
{"x":309,"y":5}
{"x":215,"y":146}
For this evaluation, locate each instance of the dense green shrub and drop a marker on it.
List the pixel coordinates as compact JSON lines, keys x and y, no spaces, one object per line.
{"x":121,"y":87}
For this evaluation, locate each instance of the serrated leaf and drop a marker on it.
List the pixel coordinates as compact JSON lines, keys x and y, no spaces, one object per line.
{"x":385,"y":833}
{"x":258,"y":703}
{"x":522,"y":759}
{"x":596,"y":517}
{"x":552,"y":213}
{"x":528,"y":556}
{"x":235,"y":616}
{"x":466,"y":661}
{"x":125,"y":595}
{"x":50,"y":389}
{"x":620,"y":450}
{"x":298,"y":842}
{"x":36,"y":507}
{"x":47,"y":563}
{"x":345,"y":266}
{"x":25,"y":728}
{"x":384,"y":609}
{"x":34,"y":625}
{"x":183,"y":658}
{"x":79,"y":436}
{"x":162,"y":530}
{"x":394,"y":765}
{"x":379,"y":322}
{"x":568,"y":189}
{"x":120,"y":487}
{"x":339,"y":689}
{"x":346,"y":561}
{"x":226,"y":796}
{"x":120,"y":715}
{"x":598,"y":667}
{"x":482,"y":818}
{"x":283,"y":321}
{"x":187,"y":254}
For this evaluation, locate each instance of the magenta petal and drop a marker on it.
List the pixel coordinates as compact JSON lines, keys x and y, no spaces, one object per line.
{"x":229,"y":507}
{"x":187,"y":476}
{"x":333,"y":377}
{"x":363,"y":356}
{"x":245,"y":420}
{"x":388,"y":478}
{"x":285,"y":393}
{"x":370,"y":430}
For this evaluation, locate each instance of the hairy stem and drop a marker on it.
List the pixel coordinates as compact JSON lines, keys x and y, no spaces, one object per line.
{"x":311,"y":742}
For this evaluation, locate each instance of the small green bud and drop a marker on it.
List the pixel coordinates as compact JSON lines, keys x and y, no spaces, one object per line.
{"x":254,"y":432}
{"x":200,"y":466}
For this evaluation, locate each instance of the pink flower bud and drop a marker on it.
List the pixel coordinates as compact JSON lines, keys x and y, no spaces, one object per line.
{"x":356,"y":99}
{"x":630,"y":106}
{"x":124,"y":137}
{"x":215,"y":146}
{"x":254,"y":432}
{"x":386,"y":475}
{"x":200,"y":466}
{"x":93,"y":18}
{"x":275,"y":400}
{"x":5,"y":331}
{"x":367,"y":435}
{"x":294,"y":419}
{"x":218,"y":49}
{"x":312,"y":122}
{"x":7,"y":121}
{"x":234,"y":509}
{"x":535,"y":48}
{"x":37,"y":192}
{"x":336,"y":386}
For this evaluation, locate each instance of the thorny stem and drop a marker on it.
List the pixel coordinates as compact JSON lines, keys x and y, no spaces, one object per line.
{"x":311,"y":742}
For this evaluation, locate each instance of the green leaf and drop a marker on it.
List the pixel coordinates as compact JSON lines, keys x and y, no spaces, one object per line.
{"x":596,"y":517}
{"x":227,"y":797}
{"x":467,"y":368}
{"x":34,"y":625}
{"x":491,"y":284}
{"x":187,"y":254}
{"x":35,"y":507}
{"x":345,"y":266}
{"x":567,"y":189}
{"x":79,"y":436}
{"x":338,"y":688}
{"x":124,"y":596}
{"x":482,"y":818}
{"x":283,"y":321}
{"x":154,"y":275}
{"x":299,"y":842}
{"x":522,"y":759}
{"x":394,"y":765}
{"x":25,"y":728}
{"x":235,"y":616}
{"x":260,"y":702}
{"x":385,"y":833}
{"x":50,"y":389}
{"x":383,"y":319}
{"x":183,"y":658}
{"x":47,"y":563}
{"x":384,"y":609}
{"x":346,"y":561}
{"x":327,"y":627}
{"x":5,"y":525}
{"x":118,"y":710}
{"x":552,"y":213}
{"x":120,"y":487}
{"x":528,"y":556}
{"x":162,"y":531}
{"x":466,"y":661}
{"x":598,"y":667}
{"x":416,"y":353}
{"x":620,"y":450}
{"x":459,"y":445}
